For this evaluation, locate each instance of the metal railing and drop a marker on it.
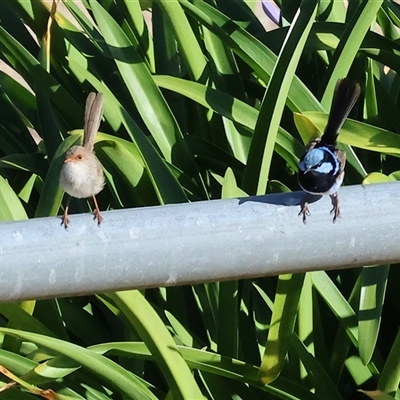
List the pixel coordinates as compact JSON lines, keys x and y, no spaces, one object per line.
{"x":198,"y":242}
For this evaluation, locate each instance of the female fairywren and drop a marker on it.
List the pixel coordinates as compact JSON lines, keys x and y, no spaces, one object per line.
{"x":82,"y":174}
{"x":321,"y":168}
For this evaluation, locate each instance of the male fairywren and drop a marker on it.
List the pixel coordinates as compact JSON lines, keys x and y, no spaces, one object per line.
{"x":321,"y":168}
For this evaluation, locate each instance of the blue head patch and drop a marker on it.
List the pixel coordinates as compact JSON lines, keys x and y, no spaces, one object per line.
{"x":321,"y":160}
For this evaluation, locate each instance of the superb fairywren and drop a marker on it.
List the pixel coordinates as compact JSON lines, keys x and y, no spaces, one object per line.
{"x":321,"y":168}
{"x":82,"y":174}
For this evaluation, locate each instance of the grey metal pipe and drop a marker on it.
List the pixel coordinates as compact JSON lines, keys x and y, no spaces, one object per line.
{"x":198,"y":242}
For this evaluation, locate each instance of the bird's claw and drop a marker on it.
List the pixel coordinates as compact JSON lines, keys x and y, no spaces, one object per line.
{"x":65,"y":221}
{"x":336,"y":213}
{"x":97,"y":215}
{"x":305,"y":212}
{"x":335,"y":207}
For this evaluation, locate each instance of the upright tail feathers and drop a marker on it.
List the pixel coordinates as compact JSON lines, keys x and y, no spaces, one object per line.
{"x":344,"y":97}
{"x":93,"y":116}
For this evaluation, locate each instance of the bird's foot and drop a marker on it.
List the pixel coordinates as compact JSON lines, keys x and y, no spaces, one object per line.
{"x":305,"y":212}
{"x":97,"y":215}
{"x":335,"y":207}
{"x":65,"y":220}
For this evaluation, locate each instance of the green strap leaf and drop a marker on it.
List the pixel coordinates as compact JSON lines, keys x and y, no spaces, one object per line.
{"x":280,"y":333}
{"x":265,"y":133}
{"x":159,"y":341}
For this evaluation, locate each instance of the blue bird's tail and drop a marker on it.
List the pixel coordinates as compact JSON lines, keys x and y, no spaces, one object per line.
{"x":344,"y":97}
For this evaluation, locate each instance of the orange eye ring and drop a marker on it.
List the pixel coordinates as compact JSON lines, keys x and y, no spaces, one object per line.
{"x":79,"y":157}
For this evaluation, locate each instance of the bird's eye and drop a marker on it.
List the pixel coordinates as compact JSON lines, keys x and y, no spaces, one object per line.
{"x":79,"y":156}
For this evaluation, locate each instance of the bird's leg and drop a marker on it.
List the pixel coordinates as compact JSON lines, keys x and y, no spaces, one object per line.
{"x":96,"y":212}
{"x":64,"y":219}
{"x":336,"y":206}
{"x":304,"y":210}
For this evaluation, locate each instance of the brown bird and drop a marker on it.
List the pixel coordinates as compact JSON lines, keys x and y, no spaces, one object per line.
{"x":82,"y":174}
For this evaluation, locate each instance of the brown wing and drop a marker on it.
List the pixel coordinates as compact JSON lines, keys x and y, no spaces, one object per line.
{"x":93,"y":115}
{"x":341,"y":155}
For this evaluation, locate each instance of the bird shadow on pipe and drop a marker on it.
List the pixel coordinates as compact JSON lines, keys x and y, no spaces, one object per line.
{"x":283,"y":199}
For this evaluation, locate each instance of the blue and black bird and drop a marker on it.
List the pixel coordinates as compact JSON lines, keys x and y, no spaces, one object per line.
{"x":321,"y":168}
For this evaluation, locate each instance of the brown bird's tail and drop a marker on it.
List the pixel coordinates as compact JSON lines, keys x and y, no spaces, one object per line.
{"x":93,"y":116}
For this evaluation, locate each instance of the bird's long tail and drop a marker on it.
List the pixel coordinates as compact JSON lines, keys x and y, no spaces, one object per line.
{"x":93,"y":115}
{"x":344,"y":97}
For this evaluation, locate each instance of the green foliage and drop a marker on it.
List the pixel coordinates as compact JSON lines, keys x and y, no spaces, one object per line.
{"x":203,"y":105}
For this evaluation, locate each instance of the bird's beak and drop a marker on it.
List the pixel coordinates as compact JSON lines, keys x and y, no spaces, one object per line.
{"x":307,"y":170}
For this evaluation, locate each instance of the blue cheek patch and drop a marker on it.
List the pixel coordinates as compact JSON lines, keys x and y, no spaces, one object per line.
{"x":324,"y":168}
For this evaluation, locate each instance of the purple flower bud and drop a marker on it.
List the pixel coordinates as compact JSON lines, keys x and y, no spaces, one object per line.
{"x":272,"y":11}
